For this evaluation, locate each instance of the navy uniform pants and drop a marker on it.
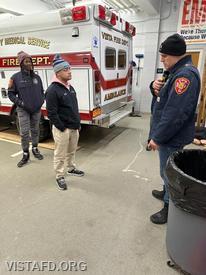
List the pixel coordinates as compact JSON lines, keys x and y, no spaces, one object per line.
{"x":29,"y":124}
{"x":164,"y":153}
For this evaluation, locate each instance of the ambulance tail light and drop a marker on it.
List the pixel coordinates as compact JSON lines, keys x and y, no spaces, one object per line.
{"x":97,"y":81}
{"x":79,"y":13}
{"x":131,"y":77}
{"x":96,"y":112}
{"x":97,"y":88}
{"x":97,"y":75}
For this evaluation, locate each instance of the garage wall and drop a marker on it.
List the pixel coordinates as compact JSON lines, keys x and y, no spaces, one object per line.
{"x":150,"y":33}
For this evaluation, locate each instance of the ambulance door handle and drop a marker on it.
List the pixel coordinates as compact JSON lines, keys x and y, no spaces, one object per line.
{"x":117,"y":75}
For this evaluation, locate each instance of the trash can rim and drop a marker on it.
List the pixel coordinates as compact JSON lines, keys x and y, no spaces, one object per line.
{"x":180,"y":171}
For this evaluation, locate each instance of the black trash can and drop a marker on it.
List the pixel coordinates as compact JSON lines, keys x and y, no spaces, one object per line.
{"x":186,"y":229}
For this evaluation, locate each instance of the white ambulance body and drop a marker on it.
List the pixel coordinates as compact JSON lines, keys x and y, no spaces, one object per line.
{"x":95,"y":41}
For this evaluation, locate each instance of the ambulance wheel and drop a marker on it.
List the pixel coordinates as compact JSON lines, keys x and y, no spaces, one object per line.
{"x":44,"y":129}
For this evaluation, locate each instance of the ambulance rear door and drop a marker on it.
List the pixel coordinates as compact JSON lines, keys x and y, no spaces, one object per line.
{"x":114,"y":68}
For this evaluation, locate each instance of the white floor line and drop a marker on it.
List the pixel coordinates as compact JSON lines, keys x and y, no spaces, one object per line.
{"x":6,"y":140}
{"x":127,"y":169}
{"x":18,"y":153}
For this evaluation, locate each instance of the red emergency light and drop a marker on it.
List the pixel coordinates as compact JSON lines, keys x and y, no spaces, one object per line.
{"x":106,"y":15}
{"x":79,"y":13}
{"x":127,"y":26}
{"x":102,"y":14}
{"x":109,"y":17}
{"x":130,"y":28}
{"x":113,"y":19}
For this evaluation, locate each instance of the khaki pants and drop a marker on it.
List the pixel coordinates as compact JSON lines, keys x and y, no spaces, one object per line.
{"x":65,"y":149}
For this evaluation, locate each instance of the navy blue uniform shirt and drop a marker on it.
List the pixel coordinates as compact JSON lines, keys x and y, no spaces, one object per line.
{"x":174,"y":110}
{"x":26,"y":91}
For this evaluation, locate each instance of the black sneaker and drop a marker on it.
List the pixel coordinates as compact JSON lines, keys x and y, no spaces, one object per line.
{"x":161,"y":216}
{"x":76,"y":172}
{"x":24,"y":160}
{"x":158,"y":194}
{"x":36,"y":153}
{"x":61,"y":183}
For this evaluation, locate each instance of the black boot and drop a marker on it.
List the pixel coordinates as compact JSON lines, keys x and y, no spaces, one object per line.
{"x":36,"y":153}
{"x":24,"y":159}
{"x":158,"y":194}
{"x":161,"y":216}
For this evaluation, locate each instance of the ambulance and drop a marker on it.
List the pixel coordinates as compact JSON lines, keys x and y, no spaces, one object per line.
{"x":97,"y":43}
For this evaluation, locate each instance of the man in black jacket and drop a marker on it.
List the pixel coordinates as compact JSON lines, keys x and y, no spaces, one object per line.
{"x":25,"y":90}
{"x":63,"y":113}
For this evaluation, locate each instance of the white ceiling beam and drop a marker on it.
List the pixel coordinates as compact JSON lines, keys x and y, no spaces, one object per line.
{"x":22,"y":6}
{"x":117,"y":4}
{"x":2,"y":10}
{"x":151,"y":7}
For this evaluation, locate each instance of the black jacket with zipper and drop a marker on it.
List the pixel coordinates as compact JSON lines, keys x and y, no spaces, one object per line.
{"x":62,"y":107}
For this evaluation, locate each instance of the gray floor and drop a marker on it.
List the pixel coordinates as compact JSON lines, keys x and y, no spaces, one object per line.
{"x":103,"y":219}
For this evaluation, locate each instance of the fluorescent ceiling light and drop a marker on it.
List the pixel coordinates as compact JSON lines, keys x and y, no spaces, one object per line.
{"x":117,"y":3}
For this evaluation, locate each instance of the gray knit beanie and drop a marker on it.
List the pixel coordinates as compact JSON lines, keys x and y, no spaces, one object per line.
{"x":59,"y":63}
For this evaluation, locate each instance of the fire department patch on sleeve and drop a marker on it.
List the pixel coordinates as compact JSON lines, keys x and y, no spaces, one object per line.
{"x":181,"y":85}
{"x":10,"y":83}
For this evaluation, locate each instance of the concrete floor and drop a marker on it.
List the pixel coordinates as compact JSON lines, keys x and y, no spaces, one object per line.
{"x":102,"y":219}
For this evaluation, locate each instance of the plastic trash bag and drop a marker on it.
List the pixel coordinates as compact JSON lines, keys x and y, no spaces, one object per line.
{"x":186,"y":172}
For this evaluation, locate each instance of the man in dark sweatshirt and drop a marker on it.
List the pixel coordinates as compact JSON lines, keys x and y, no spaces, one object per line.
{"x":63,"y":113}
{"x":25,"y":90}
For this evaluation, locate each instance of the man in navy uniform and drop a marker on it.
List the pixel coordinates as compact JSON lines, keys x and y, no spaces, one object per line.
{"x":173,"y":122}
{"x":26,"y":91}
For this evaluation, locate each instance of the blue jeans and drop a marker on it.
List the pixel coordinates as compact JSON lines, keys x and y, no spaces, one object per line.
{"x":164,"y":153}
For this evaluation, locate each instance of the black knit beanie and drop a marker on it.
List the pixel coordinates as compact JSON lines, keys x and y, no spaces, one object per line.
{"x":174,"y":45}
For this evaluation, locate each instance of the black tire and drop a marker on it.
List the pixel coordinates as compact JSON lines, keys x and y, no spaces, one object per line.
{"x":44,"y":129}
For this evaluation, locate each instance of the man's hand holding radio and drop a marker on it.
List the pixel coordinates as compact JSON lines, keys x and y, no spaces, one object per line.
{"x":157,"y":85}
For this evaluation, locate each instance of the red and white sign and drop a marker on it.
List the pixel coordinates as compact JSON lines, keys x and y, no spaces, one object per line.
{"x":192,"y":21}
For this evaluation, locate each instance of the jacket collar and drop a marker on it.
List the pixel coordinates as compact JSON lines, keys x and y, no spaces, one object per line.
{"x":56,"y":80}
{"x":27,"y":73}
{"x":183,"y":61}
